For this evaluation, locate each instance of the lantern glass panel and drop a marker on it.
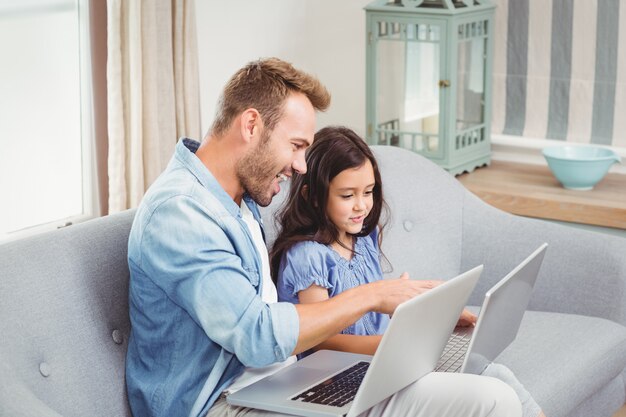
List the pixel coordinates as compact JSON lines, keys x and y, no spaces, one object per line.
{"x":407,"y":91}
{"x":470,"y":83}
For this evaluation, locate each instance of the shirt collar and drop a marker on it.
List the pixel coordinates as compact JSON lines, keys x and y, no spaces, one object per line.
{"x":186,"y":154}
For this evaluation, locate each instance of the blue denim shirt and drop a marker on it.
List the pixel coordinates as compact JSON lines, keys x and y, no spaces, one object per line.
{"x":197,"y":318}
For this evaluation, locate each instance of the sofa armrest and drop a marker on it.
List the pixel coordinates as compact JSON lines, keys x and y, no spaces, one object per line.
{"x":583,"y":272}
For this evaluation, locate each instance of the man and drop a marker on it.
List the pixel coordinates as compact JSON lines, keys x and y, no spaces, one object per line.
{"x":202,"y":307}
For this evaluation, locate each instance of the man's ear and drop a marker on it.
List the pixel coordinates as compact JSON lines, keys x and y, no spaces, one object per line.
{"x":250,"y":124}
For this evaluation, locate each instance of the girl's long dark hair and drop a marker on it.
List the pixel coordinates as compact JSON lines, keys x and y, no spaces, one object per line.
{"x":303,"y":215}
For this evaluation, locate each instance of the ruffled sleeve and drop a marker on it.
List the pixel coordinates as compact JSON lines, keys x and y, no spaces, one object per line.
{"x":304,"y":264}
{"x":373,"y":236}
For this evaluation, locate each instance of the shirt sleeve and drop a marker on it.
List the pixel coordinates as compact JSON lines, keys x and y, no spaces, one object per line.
{"x":304,"y":264}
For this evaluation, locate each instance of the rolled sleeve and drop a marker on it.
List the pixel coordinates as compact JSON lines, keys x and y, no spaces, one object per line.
{"x":286,"y":325}
{"x":262,"y":335}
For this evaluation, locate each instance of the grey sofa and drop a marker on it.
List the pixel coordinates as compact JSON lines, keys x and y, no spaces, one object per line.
{"x":64,"y":308}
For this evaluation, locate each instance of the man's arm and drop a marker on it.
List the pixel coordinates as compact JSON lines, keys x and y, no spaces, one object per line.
{"x":321,"y":320}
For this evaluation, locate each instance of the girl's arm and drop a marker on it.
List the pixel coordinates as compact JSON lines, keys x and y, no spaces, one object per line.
{"x":361,"y":343}
{"x":342,"y":342}
{"x":351,"y":343}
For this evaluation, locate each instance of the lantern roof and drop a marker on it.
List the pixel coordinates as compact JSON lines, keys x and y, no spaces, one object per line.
{"x":430,"y":6}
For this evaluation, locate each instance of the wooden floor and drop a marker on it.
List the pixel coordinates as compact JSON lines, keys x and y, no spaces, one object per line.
{"x":621,"y":412}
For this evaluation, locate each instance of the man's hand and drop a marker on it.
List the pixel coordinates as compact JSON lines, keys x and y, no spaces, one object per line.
{"x":390,"y":293}
{"x":429,"y":284}
{"x":396,"y":291}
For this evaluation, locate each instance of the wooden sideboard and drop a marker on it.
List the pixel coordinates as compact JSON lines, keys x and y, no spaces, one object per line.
{"x":532,"y":190}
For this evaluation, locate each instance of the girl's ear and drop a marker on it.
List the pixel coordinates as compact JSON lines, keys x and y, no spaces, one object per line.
{"x":304,"y":192}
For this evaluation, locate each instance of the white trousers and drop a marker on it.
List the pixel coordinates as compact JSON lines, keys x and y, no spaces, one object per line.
{"x":435,"y":395}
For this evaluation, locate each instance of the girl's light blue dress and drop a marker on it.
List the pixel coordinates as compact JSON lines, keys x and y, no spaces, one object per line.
{"x":308,"y":263}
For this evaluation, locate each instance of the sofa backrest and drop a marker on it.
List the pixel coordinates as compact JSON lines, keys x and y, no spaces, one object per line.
{"x":64,"y":321}
{"x":423,"y":236}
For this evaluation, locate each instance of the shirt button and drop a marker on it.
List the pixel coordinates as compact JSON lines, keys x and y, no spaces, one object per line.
{"x":408,"y":225}
{"x":44,"y":369}
{"x":117,"y":337}
{"x":277,"y":352}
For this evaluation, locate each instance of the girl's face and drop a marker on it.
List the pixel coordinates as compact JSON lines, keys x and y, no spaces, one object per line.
{"x":350,"y":199}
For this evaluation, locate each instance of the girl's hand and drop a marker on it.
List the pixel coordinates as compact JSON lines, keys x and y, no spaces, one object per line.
{"x":467,"y":319}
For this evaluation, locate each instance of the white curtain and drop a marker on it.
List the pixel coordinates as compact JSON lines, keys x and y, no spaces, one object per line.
{"x":152,"y":89}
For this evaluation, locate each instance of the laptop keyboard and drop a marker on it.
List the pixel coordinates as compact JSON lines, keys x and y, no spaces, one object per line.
{"x":452,"y":358}
{"x":338,"y":390}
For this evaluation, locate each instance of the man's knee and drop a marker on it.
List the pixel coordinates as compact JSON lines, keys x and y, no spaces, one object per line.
{"x":503,"y":398}
{"x":474,"y":395}
{"x":456,"y":395}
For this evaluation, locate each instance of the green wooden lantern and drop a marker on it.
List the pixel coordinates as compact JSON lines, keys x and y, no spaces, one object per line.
{"x":428,"y":76}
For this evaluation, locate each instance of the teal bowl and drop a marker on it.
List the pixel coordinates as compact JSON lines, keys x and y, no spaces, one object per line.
{"x":579,"y":167}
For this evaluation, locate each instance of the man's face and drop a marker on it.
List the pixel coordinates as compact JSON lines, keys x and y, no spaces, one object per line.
{"x":278,"y":155}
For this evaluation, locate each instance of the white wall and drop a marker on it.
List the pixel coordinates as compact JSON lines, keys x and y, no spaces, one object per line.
{"x":323,"y":37}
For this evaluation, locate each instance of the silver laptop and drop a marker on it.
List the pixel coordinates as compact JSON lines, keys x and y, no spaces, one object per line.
{"x":309,"y":386}
{"x":470,"y":350}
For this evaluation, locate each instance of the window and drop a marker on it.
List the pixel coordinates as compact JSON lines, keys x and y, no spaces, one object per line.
{"x":46,"y":167}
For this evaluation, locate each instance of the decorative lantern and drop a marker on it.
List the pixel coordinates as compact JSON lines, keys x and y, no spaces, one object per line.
{"x":428,"y":77}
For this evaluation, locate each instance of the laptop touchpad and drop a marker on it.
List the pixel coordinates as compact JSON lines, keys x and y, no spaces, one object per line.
{"x":296,"y":377}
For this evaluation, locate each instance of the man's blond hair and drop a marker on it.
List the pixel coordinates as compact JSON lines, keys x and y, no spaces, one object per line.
{"x":265,"y":85}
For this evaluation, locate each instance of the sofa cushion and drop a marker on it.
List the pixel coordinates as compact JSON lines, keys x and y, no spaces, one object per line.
{"x":602,"y":403}
{"x":16,"y":399}
{"x":563,"y":357}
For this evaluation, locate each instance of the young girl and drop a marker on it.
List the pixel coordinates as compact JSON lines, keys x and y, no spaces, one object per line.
{"x":331,"y":235}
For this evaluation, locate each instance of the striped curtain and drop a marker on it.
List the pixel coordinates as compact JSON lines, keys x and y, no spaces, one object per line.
{"x":560,"y":70}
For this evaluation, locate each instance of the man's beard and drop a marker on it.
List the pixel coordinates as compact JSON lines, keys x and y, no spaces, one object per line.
{"x":256,"y":171}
